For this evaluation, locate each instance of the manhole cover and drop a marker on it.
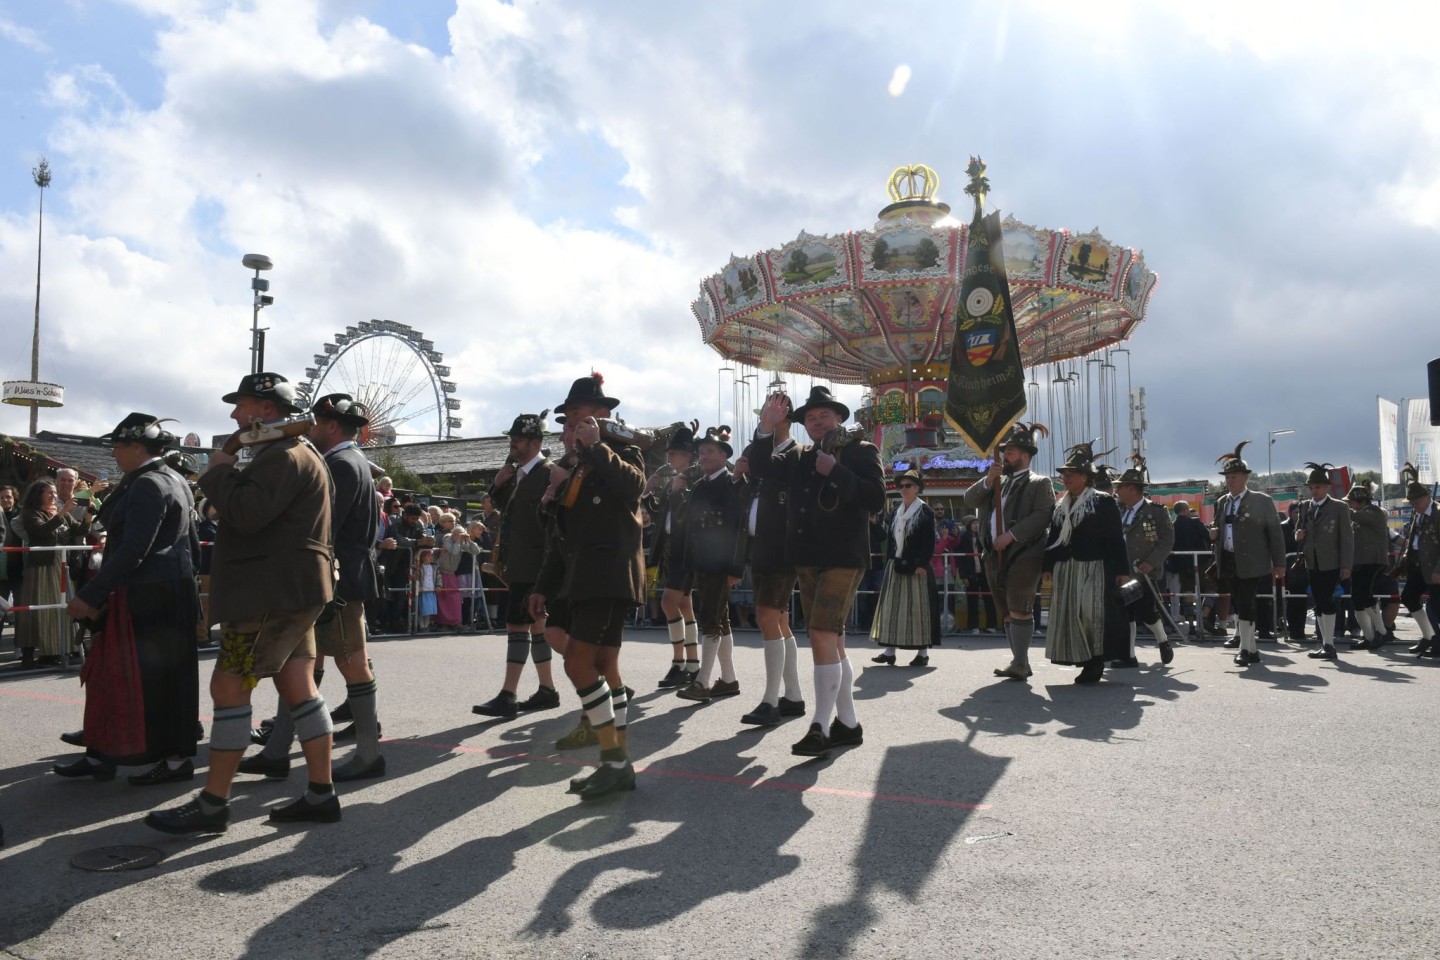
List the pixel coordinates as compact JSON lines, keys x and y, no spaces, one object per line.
{"x":108,"y":859}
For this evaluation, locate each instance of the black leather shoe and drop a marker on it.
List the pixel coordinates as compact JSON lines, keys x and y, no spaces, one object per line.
{"x":1361,"y":644}
{"x":1267,"y":635}
{"x":1232,"y":643}
{"x":1420,"y":648}
{"x":674,"y":678}
{"x":843,"y":736}
{"x":188,"y":818}
{"x":607,"y":781}
{"x":921,"y":660}
{"x":882,"y":658}
{"x":260,"y":735}
{"x":76,"y":738}
{"x":1124,"y":662}
{"x":1091,"y":672}
{"x":1167,"y":651}
{"x":1326,"y":652}
{"x":813,"y":744}
{"x":544,"y":698}
{"x":161,"y":773}
{"x":85,"y":767}
{"x":792,"y":708}
{"x":274,"y":768}
{"x":501,"y":705}
{"x":578,"y":783}
{"x":342,"y":714}
{"x":357,"y":769}
{"x":762,"y":716}
{"x":303,"y":811}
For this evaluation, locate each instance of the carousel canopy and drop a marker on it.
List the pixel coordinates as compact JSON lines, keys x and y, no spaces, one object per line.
{"x":865,"y":306}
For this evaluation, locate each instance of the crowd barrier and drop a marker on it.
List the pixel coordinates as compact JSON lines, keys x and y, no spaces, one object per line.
{"x":397,"y":612}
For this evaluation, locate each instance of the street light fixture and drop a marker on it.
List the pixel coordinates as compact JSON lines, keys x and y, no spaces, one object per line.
{"x":1270,"y":454}
{"x":258,"y":262}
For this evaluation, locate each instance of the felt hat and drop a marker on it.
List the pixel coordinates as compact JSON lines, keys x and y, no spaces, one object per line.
{"x":1319,"y":473}
{"x":530,"y":426}
{"x":141,"y":428}
{"x":1022,"y":435}
{"x":588,"y":390}
{"x":1079,"y":459}
{"x":720,"y":437}
{"x":266,"y":386}
{"x":819,"y":397}
{"x":1136,"y":474}
{"x":1231,"y":462}
{"x":1414,"y":489}
{"x":913,"y":475}
{"x":343,"y":408}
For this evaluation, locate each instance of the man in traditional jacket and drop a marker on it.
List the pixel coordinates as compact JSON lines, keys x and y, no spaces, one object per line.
{"x":1149,"y":537}
{"x":1013,"y":538}
{"x":832,"y":487}
{"x":272,"y":573}
{"x":1249,"y":547}
{"x":1327,"y":543}
{"x":517,"y":491}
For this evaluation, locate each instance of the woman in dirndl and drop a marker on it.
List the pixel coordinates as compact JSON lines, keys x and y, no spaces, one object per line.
{"x":908,"y":612}
{"x":1086,"y":560}
{"x":142,"y":695}
{"x":43,"y":522}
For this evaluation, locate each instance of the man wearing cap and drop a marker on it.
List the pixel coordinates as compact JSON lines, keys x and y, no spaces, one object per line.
{"x":832,"y":487}
{"x":1249,"y":547}
{"x":715,"y":551}
{"x":1371,"y":533}
{"x":517,"y":491}
{"x":1327,"y":544}
{"x":1014,"y":538}
{"x":663,"y":492}
{"x":1148,"y":541}
{"x":1420,"y":562}
{"x":272,"y":573}
{"x":595,"y":562}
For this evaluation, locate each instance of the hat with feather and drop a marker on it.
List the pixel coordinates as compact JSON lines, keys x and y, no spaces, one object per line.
{"x":1079,"y":459}
{"x":1232,"y":462}
{"x":1361,"y":493}
{"x":529,"y":426}
{"x":682,"y":437}
{"x":720,"y":437}
{"x":1318,"y":473}
{"x":1023,"y":435}
{"x":1410,"y":477}
{"x":1137,"y":473}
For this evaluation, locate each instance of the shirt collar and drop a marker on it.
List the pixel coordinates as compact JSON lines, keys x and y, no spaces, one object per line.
{"x":525,"y":470}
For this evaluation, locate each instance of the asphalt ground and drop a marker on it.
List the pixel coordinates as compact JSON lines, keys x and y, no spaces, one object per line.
{"x":1200,"y":810}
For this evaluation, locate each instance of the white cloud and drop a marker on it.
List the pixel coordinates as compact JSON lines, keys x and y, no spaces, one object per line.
{"x":24,"y":36}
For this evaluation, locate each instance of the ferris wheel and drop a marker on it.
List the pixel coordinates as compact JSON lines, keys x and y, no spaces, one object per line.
{"x":396,"y":373}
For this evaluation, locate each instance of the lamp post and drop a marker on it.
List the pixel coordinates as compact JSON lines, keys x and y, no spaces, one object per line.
{"x":257,"y":262}
{"x":1270,"y":455}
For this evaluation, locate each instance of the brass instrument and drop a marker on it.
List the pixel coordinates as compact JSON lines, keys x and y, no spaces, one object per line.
{"x":495,"y":566}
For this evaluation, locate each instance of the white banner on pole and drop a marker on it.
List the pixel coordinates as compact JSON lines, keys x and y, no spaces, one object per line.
{"x":1422,"y":441}
{"x":1390,"y":458}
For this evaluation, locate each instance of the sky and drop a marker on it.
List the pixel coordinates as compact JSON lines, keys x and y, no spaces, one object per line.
{"x":540,"y":188}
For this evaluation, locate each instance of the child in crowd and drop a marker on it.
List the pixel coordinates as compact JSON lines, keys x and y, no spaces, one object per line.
{"x":426,"y":575}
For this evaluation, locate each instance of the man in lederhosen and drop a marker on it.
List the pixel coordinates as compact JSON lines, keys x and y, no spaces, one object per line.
{"x":1149,"y":538}
{"x":662,"y":492}
{"x":517,"y":491}
{"x":774,"y":579}
{"x":832,"y":488}
{"x":1327,"y":543}
{"x":595,"y":561}
{"x":1249,"y":547}
{"x":713,"y":511}
{"x":1420,"y":562}
{"x":1371,"y":533}
{"x":1014,"y":540}
{"x":272,"y":574}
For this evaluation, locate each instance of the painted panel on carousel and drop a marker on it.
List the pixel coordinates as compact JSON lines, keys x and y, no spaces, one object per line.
{"x":909,"y":308}
{"x":807,"y":263}
{"x":905,"y":249}
{"x":1090,"y":260}
{"x":740,"y":284}
{"x":1027,"y":250}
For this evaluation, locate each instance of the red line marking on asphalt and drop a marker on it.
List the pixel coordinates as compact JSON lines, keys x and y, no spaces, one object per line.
{"x":502,"y":753}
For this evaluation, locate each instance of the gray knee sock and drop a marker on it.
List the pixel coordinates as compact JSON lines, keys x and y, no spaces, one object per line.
{"x":1020,"y":633}
{"x":282,"y":734}
{"x":367,"y":724}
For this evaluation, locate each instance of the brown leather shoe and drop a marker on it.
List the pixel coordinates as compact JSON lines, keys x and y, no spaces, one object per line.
{"x":695,"y":690}
{"x":724,"y":688}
